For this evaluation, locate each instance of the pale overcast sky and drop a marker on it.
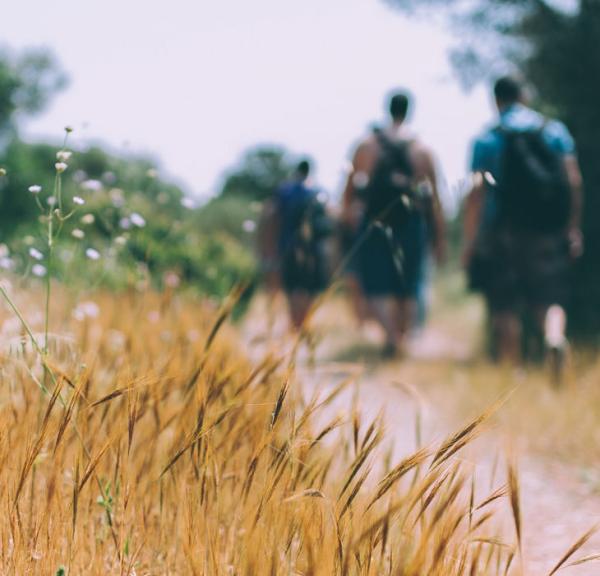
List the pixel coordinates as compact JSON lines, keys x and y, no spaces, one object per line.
{"x":197,"y":82}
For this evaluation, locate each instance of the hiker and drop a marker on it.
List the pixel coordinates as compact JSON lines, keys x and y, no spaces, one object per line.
{"x":522,"y":226}
{"x":394,"y":175}
{"x":300,"y":225}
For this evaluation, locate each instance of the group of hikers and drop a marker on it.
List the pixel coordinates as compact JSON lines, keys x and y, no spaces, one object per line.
{"x":521,"y":227}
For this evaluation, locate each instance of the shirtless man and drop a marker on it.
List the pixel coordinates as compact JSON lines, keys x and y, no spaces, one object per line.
{"x":393,"y":176}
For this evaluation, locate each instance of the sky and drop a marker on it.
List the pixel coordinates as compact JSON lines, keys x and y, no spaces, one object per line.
{"x":195,"y":83}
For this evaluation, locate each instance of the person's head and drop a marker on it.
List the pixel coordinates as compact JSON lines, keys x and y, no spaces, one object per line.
{"x":399,"y":105}
{"x":303,"y":169}
{"x":508,"y":90}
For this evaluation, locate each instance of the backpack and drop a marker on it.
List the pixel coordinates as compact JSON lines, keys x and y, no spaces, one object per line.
{"x":534,"y":191}
{"x":304,"y":226}
{"x":389,"y":194}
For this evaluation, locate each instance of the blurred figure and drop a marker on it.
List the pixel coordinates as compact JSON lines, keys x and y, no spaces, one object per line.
{"x":349,"y":241}
{"x":296,"y":224}
{"x":522,"y":222}
{"x":267,"y":242}
{"x":393,"y":175}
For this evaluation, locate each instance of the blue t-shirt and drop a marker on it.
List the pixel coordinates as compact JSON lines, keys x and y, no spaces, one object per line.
{"x":488,"y":148}
{"x":292,"y":199}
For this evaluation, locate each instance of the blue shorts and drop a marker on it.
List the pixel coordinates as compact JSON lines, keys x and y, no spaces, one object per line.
{"x":393,"y":260}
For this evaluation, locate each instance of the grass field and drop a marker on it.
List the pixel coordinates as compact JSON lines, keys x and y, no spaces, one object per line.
{"x":160,"y":449}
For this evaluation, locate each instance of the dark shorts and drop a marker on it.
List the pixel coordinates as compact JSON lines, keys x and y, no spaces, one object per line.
{"x":530,"y":270}
{"x":393,"y":261}
{"x":305,"y":273}
{"x":349,"y":253}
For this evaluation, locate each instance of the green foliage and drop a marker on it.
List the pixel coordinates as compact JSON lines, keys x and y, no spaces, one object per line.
{"x":133,"y":221}
{"x":132,"y":217}
{"x":27,"y":82}
{"x":233,"y":216}
{"x":259,"y":173}
{"x":26,"y":165}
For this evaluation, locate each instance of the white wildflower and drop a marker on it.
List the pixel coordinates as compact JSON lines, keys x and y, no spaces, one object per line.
{"x":60,"y":167}
{"x":88,"y":219}
{"x":63,"y":155}
{"x":137,"y":220}
{"x":38,"y":270}
{"x":172,"y":279}
{"x":78,"y":233}
{"x":78,"y":200}
{"x":92,"y":254}
{"x":120,"y":240}
{"x":35,"y":254}
{"x":249,"y":226}
{"x":35,"y":189}
{"x":4,"y":251}
{"x":85,"y":310}
{"x":92,"y":185}
{"x":7,"y":263}
{"x":51,"y":200}
{"x":2,"y":172}
{"x":125,"y":223}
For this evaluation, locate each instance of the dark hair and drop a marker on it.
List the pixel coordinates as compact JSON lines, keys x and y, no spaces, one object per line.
{"x":508,"y":90}
{"x":303,"y":168}
{"x":399,"y":104}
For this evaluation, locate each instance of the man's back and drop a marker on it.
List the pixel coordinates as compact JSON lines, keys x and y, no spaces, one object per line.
{"x":489,"y":147}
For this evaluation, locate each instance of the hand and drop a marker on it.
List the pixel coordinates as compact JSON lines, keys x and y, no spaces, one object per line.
{"x":575,"y":243}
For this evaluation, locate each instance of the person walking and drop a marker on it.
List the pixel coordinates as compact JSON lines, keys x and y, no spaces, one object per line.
{"x":393,"y":174}
{"x":299,"y":225}
{"x":522,"y":226}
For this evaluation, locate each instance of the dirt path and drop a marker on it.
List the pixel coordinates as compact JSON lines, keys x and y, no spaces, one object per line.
{"x":557,"y":505}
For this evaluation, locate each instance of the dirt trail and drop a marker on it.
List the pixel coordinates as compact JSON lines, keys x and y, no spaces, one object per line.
{"x":557,"y":505}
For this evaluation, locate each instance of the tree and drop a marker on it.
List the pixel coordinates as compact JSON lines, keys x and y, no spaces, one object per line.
{"x":554,"y":45}
{"x":27,"y":83}
{"x":261,"y":170}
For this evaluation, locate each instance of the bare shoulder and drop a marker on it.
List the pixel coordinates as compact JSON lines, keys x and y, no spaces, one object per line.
{"x":421,"y":150}
{"x":423,"y":157}
{"x":365,"y":153}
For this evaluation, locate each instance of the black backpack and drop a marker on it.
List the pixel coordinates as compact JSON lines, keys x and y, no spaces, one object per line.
{"x":388,"y":196}
{"x":534,"y":192}
{"x":308,"y":225}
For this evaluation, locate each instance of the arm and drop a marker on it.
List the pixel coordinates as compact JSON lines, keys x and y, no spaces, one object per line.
{"x":472,"y":216}
{"x":362,"y":164}
{"x":268,"y":239}
{"x":575,"y":186}
{"x":438,"y":223}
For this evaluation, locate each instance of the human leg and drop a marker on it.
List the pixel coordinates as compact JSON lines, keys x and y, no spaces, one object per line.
{"x":507,"y":334}
{"x":385,"y":311}
{"x":299,"y":303}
